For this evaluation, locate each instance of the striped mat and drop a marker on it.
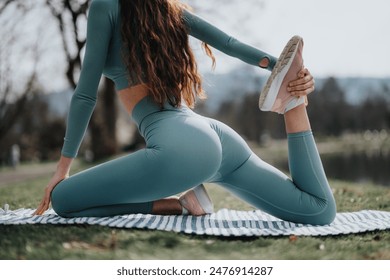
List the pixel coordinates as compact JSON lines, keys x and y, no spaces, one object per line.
{"x":225,"y":222}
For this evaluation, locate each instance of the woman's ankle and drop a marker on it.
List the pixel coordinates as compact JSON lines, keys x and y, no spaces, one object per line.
{"x":167,"y":206}
{"x":296,"y":120}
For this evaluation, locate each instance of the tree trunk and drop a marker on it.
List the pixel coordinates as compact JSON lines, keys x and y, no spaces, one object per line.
{"x":103,"y":123}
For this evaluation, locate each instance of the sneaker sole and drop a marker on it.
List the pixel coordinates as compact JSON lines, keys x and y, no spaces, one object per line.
{"x":267,"y":100}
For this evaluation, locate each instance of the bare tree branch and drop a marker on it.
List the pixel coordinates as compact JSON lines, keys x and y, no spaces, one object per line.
{"x":59,"y":9}
{"x":5,"y":4}
{"x":12,"y":100}
{"x":11,"y":113}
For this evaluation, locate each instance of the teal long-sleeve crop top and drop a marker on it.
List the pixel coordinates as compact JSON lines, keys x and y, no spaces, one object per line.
{"x":103,"y":56}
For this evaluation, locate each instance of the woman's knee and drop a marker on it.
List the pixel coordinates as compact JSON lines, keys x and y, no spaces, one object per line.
{"x":326,"y":216}
{"x":329,"y":213}
{"x":59,"y":202}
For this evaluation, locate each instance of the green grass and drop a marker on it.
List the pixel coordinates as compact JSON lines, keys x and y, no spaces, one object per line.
{"x":96,"y":242}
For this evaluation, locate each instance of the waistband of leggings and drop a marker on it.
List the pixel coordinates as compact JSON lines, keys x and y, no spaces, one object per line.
{"x":147,"y":107}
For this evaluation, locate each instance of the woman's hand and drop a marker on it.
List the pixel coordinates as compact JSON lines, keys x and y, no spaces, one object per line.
{"x":302,"y":86}
{"x":45,"y":202}
{"x":61,"y":174}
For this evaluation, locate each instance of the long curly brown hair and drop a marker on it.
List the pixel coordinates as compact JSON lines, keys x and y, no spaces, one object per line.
{"x":157,"y":50}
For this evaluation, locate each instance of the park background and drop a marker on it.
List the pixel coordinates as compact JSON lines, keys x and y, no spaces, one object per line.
{"x":346,"y":49}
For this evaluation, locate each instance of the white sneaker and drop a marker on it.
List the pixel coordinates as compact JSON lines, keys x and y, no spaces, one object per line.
{"x":274,"y":96}
{"x":196,"y":202}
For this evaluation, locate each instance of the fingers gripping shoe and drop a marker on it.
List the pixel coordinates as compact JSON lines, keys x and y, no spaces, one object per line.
{"x":274,"y":96}
{"x":196,"y":202}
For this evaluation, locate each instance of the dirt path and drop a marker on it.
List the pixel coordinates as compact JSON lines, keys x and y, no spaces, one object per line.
{"x":25,"y":172}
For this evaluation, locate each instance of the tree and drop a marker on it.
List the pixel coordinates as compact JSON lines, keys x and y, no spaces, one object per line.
{"x":329,"y":112}
{"x":14,"y":90}
{"x":70,"y":16}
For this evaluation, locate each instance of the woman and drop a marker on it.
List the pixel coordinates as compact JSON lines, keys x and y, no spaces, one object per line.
{"x":142,"y":45}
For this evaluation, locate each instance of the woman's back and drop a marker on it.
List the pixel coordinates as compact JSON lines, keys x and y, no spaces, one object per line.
{"x":105,"y":49}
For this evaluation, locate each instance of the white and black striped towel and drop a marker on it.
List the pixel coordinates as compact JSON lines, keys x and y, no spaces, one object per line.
{"x":225,"y":222}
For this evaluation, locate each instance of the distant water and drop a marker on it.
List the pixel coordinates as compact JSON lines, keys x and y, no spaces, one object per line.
{"x":360,"y":167}
{"x":355,"y":167}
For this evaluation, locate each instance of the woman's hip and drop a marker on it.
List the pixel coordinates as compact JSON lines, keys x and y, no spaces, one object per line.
{"x":181,"y":132}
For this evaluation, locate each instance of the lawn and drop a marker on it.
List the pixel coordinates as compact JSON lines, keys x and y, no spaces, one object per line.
{"x":96,"y":242}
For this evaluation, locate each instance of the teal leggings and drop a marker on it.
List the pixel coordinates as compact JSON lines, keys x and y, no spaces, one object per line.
{"x":183,"y":150}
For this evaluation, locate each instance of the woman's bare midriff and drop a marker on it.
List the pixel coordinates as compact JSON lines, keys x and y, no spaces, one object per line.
{"x":132,"y":95}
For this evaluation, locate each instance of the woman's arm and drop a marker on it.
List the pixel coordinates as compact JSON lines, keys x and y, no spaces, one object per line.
{"x":99,"y":30}
{"x":83,"y":102}
{"x":208,"y":33}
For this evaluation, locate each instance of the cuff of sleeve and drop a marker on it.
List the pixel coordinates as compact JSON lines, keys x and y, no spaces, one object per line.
{"x":299,"y":134}
{"x":68,"y":154}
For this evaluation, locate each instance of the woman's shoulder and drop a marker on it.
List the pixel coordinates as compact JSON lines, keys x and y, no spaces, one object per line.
{"x":104,"y":7}
{"x":104,"y":4}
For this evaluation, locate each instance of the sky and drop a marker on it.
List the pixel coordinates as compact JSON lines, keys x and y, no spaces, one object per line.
{"x":342,"y":37}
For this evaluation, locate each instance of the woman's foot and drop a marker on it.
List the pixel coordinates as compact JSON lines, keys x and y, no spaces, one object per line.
{"x":274,"y":96}
{"x":196,"y":202}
